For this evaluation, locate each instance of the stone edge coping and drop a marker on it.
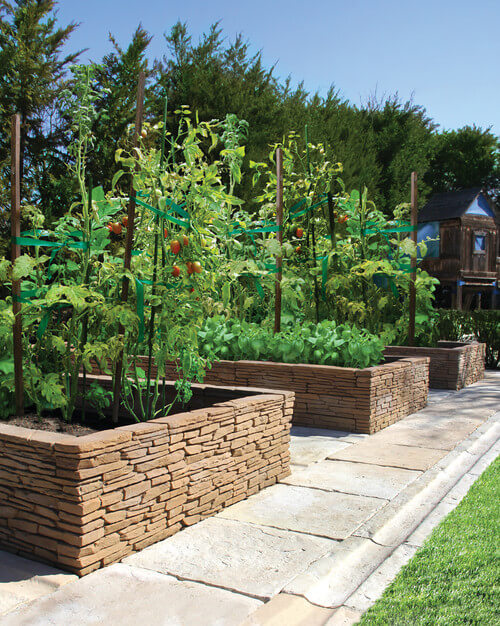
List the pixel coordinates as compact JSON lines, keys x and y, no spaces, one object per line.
{"x":452,"y":347}
{"x":63,"y":442}
{"x":401,"y":362}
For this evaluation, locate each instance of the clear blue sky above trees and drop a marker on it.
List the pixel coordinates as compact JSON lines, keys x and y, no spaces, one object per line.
{"x":443,"y":52}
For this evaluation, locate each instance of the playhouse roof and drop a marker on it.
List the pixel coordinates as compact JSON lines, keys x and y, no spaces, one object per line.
{"x":449,"y":205}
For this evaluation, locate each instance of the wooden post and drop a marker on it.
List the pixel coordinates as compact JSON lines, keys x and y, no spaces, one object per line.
{"x":279,"y":224}
{"x":316,"y":289}
{"x":127,"y":257}
{"x":15,"y":219}
{"x":413,"y":275}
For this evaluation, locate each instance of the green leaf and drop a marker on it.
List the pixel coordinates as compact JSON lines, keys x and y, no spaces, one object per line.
{"x":5,"y":266}
{"x":226,"y":294}
{"x":23,"y":266}
{"x":116,"y":178}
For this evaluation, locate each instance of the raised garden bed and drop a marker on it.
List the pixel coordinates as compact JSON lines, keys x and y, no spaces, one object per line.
{"x":343,"y":398}
{"x":85,"y":502}
{"x":453,"y":365}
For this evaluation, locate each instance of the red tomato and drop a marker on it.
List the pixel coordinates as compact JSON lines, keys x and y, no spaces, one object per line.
{"x":190,"y":268}
{"x":298,"y":249}
{"x":165,"y":232}
{"x":125,"y":220}
{"x":175,"y":246}
{"x":197,"y":267}
{"x":110,"y":227}
{"x":117,"y":228}
{"x":192,"y":289}
{"x":176,"y":271}
{"x":299,"y":233}
{"x":185,"y":241}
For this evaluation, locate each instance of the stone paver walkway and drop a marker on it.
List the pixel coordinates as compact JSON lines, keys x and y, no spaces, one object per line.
{"x":319,"y":548}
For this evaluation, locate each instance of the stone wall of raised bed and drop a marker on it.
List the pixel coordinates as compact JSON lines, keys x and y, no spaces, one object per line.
{"x":453,"y":365}
{"x":342,"y":398}
{"x":85,"y":502}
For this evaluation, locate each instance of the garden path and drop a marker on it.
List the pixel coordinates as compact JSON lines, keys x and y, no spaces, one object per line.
{"x":318,"y":548}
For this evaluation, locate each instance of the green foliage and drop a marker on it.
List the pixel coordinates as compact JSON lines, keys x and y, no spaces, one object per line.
{"x":33,"y":75}
{"x":484,"y":326}
{"x":325,"y":343}
{"x":467,"y":157}
{"x":453,"y":578}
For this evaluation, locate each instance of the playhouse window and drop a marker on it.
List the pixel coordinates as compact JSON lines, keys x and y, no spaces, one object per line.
{"x":479,"y":243}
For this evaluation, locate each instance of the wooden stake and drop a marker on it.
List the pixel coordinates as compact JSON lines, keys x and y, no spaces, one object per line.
{"x":316,"y":289}
{"x":279,"y":224}
{"x":15,"y":218}
{"x":127,"y":257}
{"x":413,"y":262}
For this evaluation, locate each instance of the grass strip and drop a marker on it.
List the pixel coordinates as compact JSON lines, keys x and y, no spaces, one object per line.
{"x":454,"y":578}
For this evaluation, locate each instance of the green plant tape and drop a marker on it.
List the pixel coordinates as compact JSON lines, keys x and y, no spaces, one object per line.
{"x":184,"y":223}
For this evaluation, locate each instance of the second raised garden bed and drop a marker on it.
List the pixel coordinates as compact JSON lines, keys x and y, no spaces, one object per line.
{"x":342,"y":398}
{"x":85,"y":502}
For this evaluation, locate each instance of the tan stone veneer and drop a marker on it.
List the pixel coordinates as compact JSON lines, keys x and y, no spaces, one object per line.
{"x":344,"y":398}
{"x":453,"y":365}
{"x":85,"y":502}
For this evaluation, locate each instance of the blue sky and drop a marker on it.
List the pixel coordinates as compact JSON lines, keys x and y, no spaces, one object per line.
{"x":446,"y":53}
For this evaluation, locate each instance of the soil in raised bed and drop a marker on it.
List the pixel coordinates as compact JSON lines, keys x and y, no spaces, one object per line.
{"x":54,"y":424}
{"x":53,"y":421}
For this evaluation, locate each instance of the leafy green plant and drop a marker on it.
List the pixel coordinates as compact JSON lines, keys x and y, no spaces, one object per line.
{"x":325,"y":343}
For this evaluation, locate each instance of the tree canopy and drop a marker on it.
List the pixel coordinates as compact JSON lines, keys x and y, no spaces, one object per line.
{"x":379,"y":143}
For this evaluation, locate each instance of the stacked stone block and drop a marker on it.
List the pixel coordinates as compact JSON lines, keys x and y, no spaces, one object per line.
{"x":453,"y":365}
{"x":86,"y":502}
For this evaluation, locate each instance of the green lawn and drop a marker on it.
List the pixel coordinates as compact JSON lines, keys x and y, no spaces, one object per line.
{"x":454,"y":578}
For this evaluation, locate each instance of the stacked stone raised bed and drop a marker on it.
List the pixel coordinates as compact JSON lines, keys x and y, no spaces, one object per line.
{"x":453,"y":365}
{"x":343,"y":398}
{"x":85,"y":502}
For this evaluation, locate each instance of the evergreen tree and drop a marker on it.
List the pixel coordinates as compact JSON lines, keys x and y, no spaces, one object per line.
{"x":33,"y":72}
{"x":403,"y":142}
{"x":117,"y":78}
{"x":467,"y":157}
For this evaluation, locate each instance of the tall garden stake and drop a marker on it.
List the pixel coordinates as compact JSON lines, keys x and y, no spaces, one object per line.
{"x":413,"y":266}
{"x":15,"y":218}
{"x":155,"y":275}
{"x":279,"y":224}
{"x":128,"y":241}
{"x":85,"y":326}
{"x":310,"y":219}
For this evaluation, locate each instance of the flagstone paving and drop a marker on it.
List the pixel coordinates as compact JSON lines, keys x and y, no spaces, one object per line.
{"x":360,"y":479}
{"x":327,"y":514}
{"x":390,"y":455}
{"x":119,"y":595}
{"x":318,"y":548}
{"x":237,"y":556}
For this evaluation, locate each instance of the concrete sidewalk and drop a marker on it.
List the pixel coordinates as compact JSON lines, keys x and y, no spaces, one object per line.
{"x":318,"y":548}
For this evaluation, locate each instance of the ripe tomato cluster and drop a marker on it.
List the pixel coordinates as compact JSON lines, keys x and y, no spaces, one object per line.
{"x":116,"y":228}
{"x":192,"y":267}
